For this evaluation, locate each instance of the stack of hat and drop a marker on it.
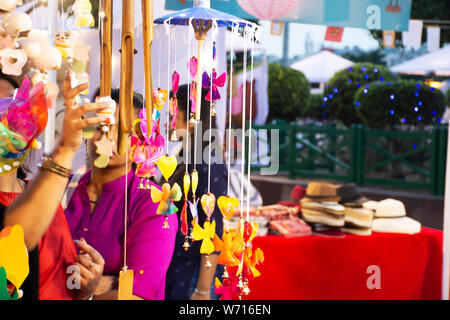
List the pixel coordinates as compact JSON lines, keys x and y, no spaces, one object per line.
{"x":390,"y":217}
{"x":358,"y":220}
{"x":320,"y":205}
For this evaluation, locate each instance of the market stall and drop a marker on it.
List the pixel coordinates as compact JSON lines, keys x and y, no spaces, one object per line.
{"x":340,"y":268}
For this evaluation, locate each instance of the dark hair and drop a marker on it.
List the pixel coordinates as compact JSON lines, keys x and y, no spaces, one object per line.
{"x":138,"y":100}
{"x":24,"y":169}
{"x":10,"y":79}
{"x":182,"y":97}
{"x":23,"y":172}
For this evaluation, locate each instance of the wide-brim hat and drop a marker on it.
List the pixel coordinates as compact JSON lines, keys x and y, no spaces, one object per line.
{"x":321,"y":192}
{"x":350,"y":195}
{"x":314,"y":216}
{"x":387,"y":208}
{"x":359,"y":217}
{"x":333,"y":208}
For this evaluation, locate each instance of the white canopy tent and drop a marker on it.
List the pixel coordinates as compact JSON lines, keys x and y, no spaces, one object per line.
{"x":320,"y":67}
{"x":437,"y":62}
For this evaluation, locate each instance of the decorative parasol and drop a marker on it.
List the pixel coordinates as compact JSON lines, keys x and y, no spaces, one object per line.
{"x":201,"y":16}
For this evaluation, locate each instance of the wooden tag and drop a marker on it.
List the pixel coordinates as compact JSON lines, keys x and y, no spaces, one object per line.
{"x":126,"y":285}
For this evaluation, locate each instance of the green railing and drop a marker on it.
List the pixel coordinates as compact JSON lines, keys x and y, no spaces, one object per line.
{"x":409,"y":160}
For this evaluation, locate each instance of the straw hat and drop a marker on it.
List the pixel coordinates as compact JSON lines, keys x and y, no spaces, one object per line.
{"x":359,"y":217}
{"x":358,"y":231}
{"x":333,"y":208}
{"x":389,"y":208}
{"x":396,"y":225}
{"x":350,"y":196}
{"x":314,"y":216}
{"x":320,"y":192}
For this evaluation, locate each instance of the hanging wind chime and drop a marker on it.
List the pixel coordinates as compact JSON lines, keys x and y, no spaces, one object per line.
{"x":236,"y":251}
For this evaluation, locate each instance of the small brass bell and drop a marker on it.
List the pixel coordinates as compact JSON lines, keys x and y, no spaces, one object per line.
{"x":174,"y":137}
{"x":225,"y":273}
{"x":141,"y":185}
{"x":213,"y":110}
{"x":186,"y":244}
{"x":147,"y":185}
{"x":240,"y":284}
{"x":192,"y":119}
{"x":246,"y":289}
{"x":166,"y":224}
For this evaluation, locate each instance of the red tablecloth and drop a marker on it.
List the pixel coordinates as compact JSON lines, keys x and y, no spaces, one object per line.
{"x":317,"y":267}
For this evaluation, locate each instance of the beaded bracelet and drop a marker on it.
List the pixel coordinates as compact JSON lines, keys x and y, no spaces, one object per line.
{"x":48,"y":164}
{"x":202,"y":293}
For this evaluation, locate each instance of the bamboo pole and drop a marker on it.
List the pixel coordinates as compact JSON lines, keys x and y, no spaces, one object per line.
{"x":106,"y":50}
{"x":126,"y":75}
{"x":148,"y":30}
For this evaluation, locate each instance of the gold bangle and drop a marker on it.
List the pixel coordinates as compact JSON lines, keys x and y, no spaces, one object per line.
{"x":48,"y":164}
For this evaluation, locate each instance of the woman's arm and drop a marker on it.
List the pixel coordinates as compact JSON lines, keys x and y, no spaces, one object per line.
{"x":205,"y":278}
{"x":35,"y":208}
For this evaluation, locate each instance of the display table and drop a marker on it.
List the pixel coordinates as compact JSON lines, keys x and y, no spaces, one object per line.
{"x":318,"y":267}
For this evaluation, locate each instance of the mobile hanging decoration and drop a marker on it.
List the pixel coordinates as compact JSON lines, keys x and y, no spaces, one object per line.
{"x":237,"y":254}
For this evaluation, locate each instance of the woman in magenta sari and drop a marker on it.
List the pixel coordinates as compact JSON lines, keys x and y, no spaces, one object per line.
{"x":95,"y":212}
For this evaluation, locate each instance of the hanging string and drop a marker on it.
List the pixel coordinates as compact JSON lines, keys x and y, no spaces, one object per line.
{"x":195,"y":145}
{"x":210,"y":127}
{"x":159,"y":64}
{"x":34,"y":15}
{"x":213,"y":40}
{"x":126,"y":211}
{"x":188,"y":96}
{"x":168,"y":87}
{"x":101,"y":29}
{"x":244,"y":96}
{"x":250,"y":124}
{"x":233,"y":33}
{"x":62,"y":15}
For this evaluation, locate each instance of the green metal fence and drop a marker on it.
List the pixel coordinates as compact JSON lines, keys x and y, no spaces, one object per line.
{"x":410,"y":160}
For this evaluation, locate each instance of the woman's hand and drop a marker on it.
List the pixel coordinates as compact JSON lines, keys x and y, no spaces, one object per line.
{"x":107,"y":283}
{"x":74,"y":123}
{"x":70,"y":93}
{"x":91,"y":269}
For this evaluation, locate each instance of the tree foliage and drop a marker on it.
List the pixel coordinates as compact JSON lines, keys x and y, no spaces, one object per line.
{"x":385,"y":105}
{"x":288,"y":92}
{"x":340,"y":92}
